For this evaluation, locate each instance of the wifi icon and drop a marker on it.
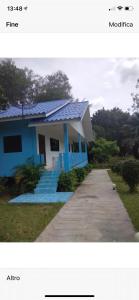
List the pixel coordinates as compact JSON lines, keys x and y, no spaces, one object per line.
{"x":120,"y":7}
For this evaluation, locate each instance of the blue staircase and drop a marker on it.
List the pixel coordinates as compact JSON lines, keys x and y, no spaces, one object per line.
{"x":46,"y":189}
{"x":49,"y":180}
{"x":47,"y":183}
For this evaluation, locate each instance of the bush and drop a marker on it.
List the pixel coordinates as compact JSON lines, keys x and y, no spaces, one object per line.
{"x":26,"y":177}
{"x":97,"y":165}
{"x":117,"y":167}
{"x":67,"y":182}
{"x":7,"y":184}
{"x":130,"y":173}
{"x":88,"y":167}
{"x":104,"y":149}
{"x":80,"y":174}
{"x":2,"y":185}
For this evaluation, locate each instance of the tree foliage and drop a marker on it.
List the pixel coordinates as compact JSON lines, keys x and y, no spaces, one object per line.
{"x":103,"y":149}
{"x":108,"y":123}
{"x":135,"y":97}
{"x":130,"y":173}
{"x":116,"y":125}
{"x":55,"y":86}
{"x":18,"y":85}
{"x":26,"y":177}
{"x":23,"y":86}
{"x":3,"y":99}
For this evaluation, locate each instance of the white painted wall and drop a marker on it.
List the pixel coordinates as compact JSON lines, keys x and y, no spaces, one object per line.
{"x":52,"y":155}
{"x":55,"y":131}
{"x":77,"y":125}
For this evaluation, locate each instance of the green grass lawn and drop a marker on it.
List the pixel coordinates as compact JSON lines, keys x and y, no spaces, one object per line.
{"x":24,"y":222}
{"x":130,"y":200}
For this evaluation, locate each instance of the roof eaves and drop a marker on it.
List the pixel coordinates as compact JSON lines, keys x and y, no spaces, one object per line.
{"x":53,"y":122}
{"x":86,"y":107}
{"x":19,"y":117}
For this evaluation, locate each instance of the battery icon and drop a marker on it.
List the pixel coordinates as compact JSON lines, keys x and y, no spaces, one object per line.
{"x":130,"y":8}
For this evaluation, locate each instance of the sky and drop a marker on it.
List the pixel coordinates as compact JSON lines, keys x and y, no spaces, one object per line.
{"x":103,"y":82}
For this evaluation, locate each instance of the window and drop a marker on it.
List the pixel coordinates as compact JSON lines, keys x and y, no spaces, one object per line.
{"x":83,"y":147}
{"x":75,"y":147}
{"x":12,"y":144}
{"x":54,"y":144}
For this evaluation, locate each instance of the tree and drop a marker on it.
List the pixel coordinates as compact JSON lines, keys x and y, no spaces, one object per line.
{"x":104,"y":149}
{"x":55,"y":86}
{"x":109,"y":124}
{"x":18,"y":85}
{"x":135,"y":98}
{"x":3,"y":99}
{"x":134,"y":133}
{"x":22,"y":86}
{"x":130,"y":173}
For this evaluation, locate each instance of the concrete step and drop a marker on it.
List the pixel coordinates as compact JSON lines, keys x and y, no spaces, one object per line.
{"x":46,"y":184}
{"x":45,"y":188}
{"x":42,"y":198}
{"x":48,"y":176}
{"x":53,"y":181}
{"x":50,"y":173}
{"x":44,"y":191}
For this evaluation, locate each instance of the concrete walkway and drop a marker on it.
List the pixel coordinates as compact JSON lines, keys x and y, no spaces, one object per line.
{"x":95,"y":213}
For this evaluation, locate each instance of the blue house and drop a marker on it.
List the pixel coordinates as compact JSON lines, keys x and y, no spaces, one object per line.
{"x":52,"y":133}
{"x":46,"y":132}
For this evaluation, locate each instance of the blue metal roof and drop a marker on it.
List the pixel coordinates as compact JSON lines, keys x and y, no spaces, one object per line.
{"x":39,"y":108}
{"x":73,"y":110}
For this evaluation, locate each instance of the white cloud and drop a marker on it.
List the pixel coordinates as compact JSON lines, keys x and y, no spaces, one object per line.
{"x":109,"y":82}
{"x":96,"y":103}
{"x":127,"y":69}
{"x":107,"y":85}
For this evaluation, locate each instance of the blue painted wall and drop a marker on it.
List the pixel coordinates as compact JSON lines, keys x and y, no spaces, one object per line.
{"x":66,"y":148}
{"x":29,"y":149}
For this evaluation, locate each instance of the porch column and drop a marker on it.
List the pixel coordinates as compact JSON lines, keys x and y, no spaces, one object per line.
{"x":86,"y":151}
{"x":80,"y":142}
{"x":66,"y":149}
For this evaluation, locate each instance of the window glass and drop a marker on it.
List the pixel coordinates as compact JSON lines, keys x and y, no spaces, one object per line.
{"x":12,"y":144}
{"x":54,"y":144}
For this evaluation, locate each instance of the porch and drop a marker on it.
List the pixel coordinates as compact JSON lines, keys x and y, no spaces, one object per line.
{"x":69,"y":150}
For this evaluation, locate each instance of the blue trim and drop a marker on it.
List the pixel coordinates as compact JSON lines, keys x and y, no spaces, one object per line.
{"x":80,"y":142}
{"x":86,"y":151}
{"x":77,"y":159}
{"x":81,"y":165}
{"x":66,"y":149}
